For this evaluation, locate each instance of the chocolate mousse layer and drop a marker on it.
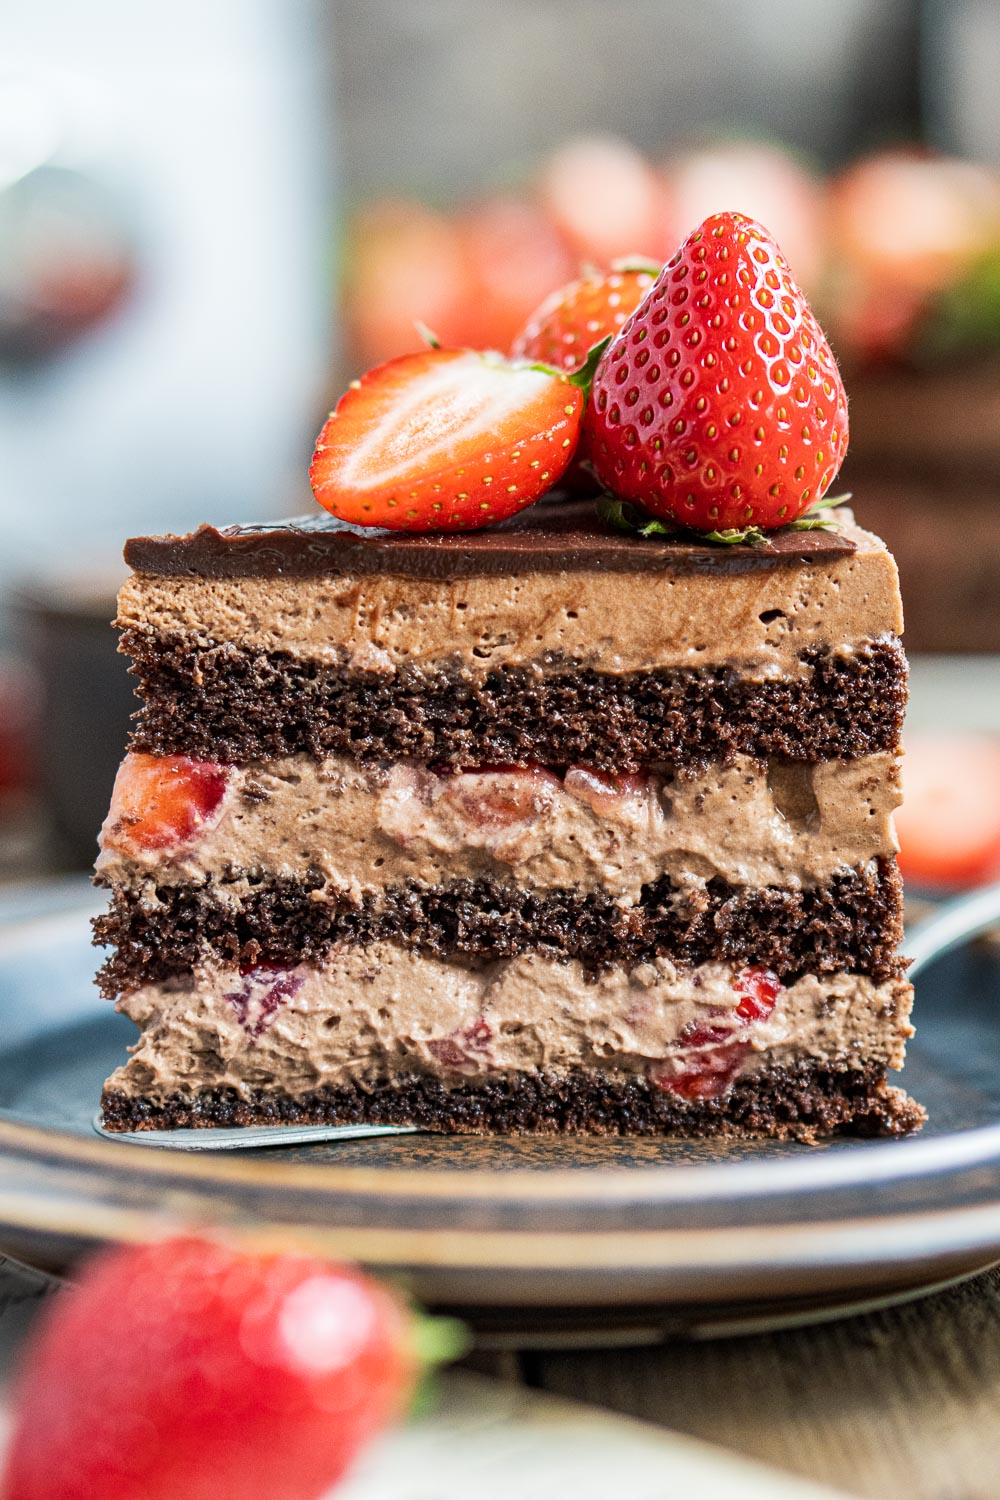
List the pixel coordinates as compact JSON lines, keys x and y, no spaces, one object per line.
{"x":386,"y":1008}
{"x":685,"y":605}
{"x":346,"y":831}
{"x":366,"y":1018}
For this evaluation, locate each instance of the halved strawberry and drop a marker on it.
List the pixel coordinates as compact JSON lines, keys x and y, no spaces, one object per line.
{"x":163,"y":802}
{"x":445,"y":440}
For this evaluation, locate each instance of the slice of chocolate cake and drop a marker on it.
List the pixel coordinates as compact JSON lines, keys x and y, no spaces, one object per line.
{"x":536,"y":828}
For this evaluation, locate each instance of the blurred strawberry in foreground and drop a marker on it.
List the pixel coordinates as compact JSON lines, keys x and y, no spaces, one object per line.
{"x":607,"y":201}
{"x":949,"y":824}
{"x":719,"y":404}
{"x":763,"y":181}
{"x":188,"y":1370}
{"x":446,"y":440}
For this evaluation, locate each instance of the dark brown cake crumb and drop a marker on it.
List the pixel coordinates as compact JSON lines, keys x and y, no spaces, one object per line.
{"x":227,"y":704}
{"x":853,"y":923}
{"x":806,"y":1102}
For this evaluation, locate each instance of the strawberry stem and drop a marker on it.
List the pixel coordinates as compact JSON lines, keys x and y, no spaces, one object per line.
{"x":439,"y":1341}
{"x":584,"y":376}
{"x":428,"y":335}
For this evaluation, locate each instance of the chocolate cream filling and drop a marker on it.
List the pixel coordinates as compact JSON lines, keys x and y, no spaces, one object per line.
{"x":352,"y":830}
{"x":382,"y":1010}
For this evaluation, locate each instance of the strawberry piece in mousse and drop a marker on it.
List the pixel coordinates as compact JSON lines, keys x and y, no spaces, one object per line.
{"x":712,"y":1052}
{"x":163,"y":802}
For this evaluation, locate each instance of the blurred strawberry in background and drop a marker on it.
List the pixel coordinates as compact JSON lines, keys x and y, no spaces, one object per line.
{"x":949,"y":823}
{"x":765,"y":182}
{"x":900,"y":251}
{"x":906,"y":227}
{"x":607,"y":201}
{"x":515,"y":257}
{"x":403,"y":262}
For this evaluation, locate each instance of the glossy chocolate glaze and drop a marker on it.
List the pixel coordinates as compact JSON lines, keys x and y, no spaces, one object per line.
{"x":551,"y":537}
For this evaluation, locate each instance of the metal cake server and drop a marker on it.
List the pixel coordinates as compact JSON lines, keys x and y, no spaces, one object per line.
{"x":948,"y":927}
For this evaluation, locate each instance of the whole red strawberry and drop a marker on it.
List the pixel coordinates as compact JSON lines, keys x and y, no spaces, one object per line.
{"x":446,"y":440}
{"x":567,"y":325}
{"x":719,"y":404}
{"x":187,"y":1370}
{"x":571,"y":321}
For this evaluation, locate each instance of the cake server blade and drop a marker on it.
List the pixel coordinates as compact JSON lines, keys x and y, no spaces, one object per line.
{"x":247,"y":1137}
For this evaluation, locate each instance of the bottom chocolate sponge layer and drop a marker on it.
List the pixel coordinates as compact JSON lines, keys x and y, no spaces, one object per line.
{"x":804,"y":1101}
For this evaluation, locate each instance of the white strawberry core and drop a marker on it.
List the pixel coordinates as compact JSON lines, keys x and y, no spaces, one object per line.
{"x":434,"y":415}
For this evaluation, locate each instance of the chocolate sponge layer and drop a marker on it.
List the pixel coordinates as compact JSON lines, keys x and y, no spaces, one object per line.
{"x":854,"y":923}
{"x":805,"y":1101}
{"x":226,"y":703}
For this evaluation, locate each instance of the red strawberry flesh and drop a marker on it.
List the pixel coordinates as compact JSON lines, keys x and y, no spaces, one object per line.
{"x":712,"y":1051}
{"x":163,"y":802}
{"x":445,"y":440}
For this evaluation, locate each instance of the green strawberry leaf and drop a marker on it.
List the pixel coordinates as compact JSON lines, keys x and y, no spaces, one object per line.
{"x":582,"y":377}
{"x":811,"y":523}
{"x":585,"y":374}
{"x":750,"y":536}
{"x":813,"y":520}
{"x":625,"y":517}
{"x":630,"y":518}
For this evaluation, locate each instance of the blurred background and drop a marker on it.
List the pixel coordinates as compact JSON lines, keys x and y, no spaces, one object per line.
{"x":214,"y":213}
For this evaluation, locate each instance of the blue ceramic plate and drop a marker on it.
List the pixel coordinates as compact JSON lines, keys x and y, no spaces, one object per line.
{"x":546,"y":1234}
